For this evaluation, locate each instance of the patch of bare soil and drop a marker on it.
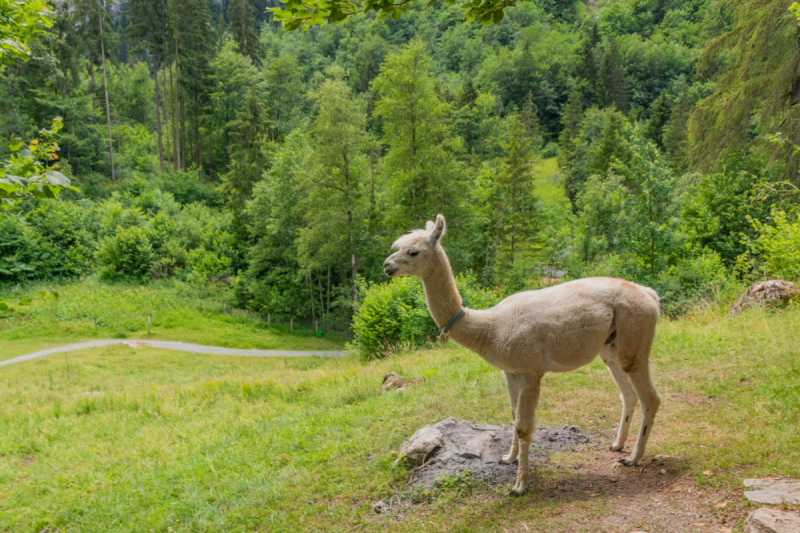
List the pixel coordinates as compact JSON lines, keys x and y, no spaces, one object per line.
{"x":657,"y":496}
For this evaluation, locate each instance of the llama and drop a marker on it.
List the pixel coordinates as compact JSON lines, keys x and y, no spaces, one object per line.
{"x":556,"y":329}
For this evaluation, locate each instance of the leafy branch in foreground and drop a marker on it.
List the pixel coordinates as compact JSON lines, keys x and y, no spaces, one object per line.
{"x":19,"y":21}
{"x":304,"y":13}
{"x":31,"y":171}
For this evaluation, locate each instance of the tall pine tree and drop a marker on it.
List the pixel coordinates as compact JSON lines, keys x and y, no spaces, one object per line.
{"x":611,"y":86}
{"x":243,"y":26}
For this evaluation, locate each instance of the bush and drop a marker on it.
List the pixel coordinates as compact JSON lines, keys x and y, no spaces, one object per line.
{"x":127,"y":254}
{"x":395,"y":313}
{"x":776,"y":251}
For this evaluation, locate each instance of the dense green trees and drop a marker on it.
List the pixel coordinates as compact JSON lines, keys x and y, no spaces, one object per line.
{"x":282,"y":165}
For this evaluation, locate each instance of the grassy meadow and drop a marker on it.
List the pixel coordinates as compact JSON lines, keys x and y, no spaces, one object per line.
{"x":178,"y":312}
{"x":548,"y":183}
{"x":142,"y":439}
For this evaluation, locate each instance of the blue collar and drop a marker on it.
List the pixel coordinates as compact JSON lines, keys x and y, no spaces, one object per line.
{"x":453,"y":321}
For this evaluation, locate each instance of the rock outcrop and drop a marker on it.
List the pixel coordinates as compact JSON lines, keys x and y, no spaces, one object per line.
{"x":767,"y":520}
{"x":770,"y":292}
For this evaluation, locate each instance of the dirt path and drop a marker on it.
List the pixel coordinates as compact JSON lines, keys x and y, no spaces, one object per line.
{"x":173,"y":345}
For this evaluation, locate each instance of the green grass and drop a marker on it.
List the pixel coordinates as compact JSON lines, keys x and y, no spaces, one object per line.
{"x":177,"y":313}
{"x":121,"y":439}
{"x":548,"y":180}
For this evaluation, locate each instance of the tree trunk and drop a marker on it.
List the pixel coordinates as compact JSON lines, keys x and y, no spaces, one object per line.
{"x":353,"y":258}
{"x":91,"y":84}
{"x":173,"y":115}
{"x":183,"y":131}
{"x":158,"y":111}
{"x":105,"y":91}
{"x":198,"y":154}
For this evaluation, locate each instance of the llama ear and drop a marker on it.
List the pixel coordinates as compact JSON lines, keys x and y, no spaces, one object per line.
{"x":438,"y":230}
{"x":429,"y":225}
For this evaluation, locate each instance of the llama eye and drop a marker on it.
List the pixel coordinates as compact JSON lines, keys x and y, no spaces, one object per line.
{"x":412,"y":253}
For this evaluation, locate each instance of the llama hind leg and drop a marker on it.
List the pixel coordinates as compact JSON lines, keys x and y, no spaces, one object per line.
{"x":512,"y":384}
{"x":524,"y":425}
{"x":651,"y":400}
{"x":627,"y":395}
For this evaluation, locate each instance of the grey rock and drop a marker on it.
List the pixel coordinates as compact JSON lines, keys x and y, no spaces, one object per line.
{"x":475,"y":447}
{"x":381,"y":507}
{"x":421,"y":444}
{"x":773,"y":491}
{"x":766,"y":520}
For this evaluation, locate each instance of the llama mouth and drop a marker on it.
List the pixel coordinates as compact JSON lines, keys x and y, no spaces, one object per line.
{"x":389,"y":272}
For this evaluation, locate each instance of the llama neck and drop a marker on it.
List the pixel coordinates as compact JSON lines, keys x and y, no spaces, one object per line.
{"x":474,"y":329}
{"x":441,"y":292}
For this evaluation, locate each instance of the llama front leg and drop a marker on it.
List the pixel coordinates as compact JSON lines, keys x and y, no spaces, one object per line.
{"x":512,"y":385}
{"x":651,"y":400}
{"x":524,"y":425}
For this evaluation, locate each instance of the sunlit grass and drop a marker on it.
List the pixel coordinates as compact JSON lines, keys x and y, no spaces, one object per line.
{"x":122,"y":439}
{"x":548,"y":180}
{"x":178,"y":312}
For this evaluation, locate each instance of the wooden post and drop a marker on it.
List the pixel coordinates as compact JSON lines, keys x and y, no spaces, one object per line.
{"x":291,"y":324}
{"x":269,"y":318}
{"x":316,"y":326}
{"x":148,"y":324}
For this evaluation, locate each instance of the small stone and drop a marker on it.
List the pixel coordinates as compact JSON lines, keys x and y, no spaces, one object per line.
{"x":394,"y":381}
{"x":380,"y":507}
{"x":767,"y":520}
{"x":773,"y":491}
{"x":474,"y":448}
{"x":420,"y":445}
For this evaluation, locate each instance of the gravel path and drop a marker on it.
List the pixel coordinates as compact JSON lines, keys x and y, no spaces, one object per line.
{"x":172,"y":345}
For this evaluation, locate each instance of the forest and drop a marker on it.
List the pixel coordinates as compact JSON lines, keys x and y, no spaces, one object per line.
{"x":207,"y":142}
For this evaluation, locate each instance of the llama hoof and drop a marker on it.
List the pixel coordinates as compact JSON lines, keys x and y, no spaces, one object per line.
{"x":628,"y":462}
{"x":616,"y":447}
{"x":508,"y":459}
{"x":518,"y":490}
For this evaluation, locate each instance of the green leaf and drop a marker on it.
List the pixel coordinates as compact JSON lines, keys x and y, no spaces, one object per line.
{"x":16,"y":143}
{"x":498,"y":16}
{"x":57,"y":178}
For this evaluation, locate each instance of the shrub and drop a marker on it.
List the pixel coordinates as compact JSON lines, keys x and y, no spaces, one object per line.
{"x":395,"y":313}
{"x":127,"y":254}
{"x":776,"y":250}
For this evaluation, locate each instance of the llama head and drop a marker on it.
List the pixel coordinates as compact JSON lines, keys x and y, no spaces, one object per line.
{"x":415,"y":250}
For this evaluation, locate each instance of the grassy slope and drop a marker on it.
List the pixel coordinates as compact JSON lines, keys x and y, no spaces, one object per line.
{"x":122,"y":439}
{"x":177,"y":312}
{"x":548,"y":180}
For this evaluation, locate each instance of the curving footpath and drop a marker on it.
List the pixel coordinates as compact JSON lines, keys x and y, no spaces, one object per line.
{"x":173,"y":345}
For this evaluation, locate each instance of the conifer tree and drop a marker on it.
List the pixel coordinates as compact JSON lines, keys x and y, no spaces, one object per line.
{"x":659,"y":115}
{"x":335,"y":205}
{"x":530,"y":123}
{"x":516,"y":200}
{"x":243,"y":25}
{"x":587,"y":68}
{"x":423,"y":175}
{"x":193,"y":34}
{"x":611,"y":85}
{"x":570,"y":120}
{"x":149,"y":29}
{"x":248,"y":137}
